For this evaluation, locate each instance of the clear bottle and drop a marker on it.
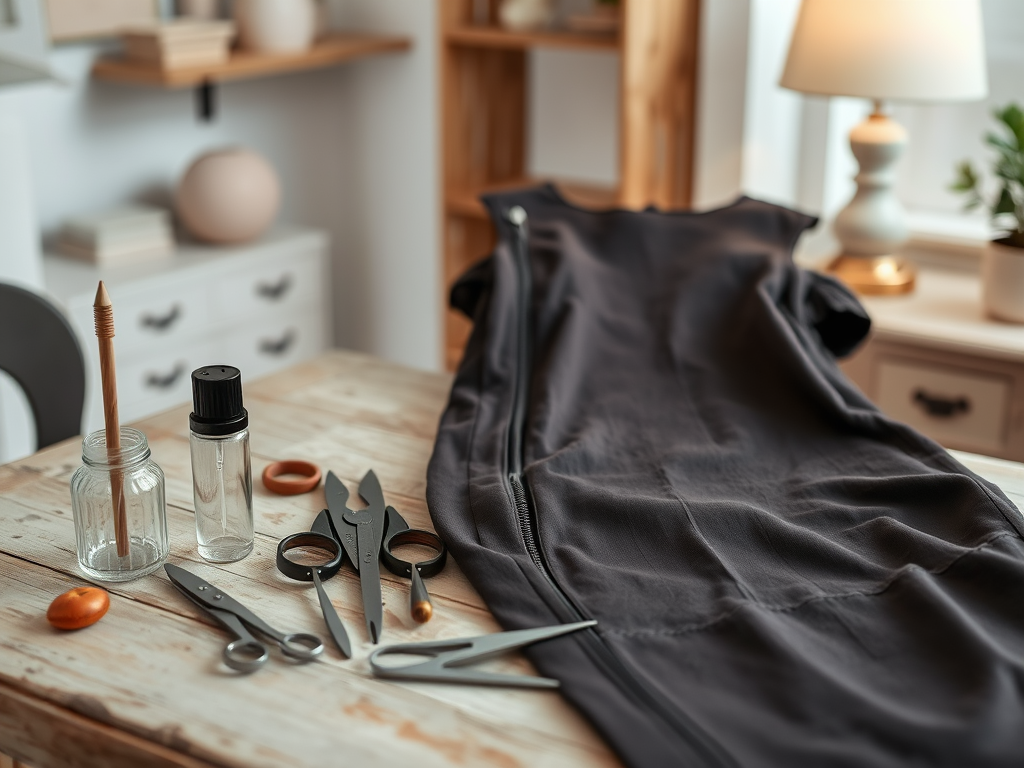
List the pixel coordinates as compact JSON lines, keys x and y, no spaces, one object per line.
{"x":221,"y":472}
{"x":92,"y":504}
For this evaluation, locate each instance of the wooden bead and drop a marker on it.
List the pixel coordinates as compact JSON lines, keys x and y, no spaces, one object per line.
{"x":78,"y":608}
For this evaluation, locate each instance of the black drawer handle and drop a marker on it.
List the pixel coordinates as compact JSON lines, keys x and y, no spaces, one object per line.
{"x":165,"y":381}
{"x":275,"y":291}
{"x":158,"y":323}
{"x":944,"y":407}
{"x":278,"y":346}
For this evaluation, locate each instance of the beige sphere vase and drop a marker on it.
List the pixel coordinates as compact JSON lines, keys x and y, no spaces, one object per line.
{"x":228,"y":196}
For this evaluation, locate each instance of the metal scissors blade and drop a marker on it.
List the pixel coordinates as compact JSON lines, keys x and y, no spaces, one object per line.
{"x":447,"y":655}
{"x":369,"y":524}
{"x":337,"y":506}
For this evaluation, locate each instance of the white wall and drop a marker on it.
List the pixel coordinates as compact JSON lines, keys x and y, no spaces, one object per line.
{"x":389,"y":282}
{"x":573,"y":115}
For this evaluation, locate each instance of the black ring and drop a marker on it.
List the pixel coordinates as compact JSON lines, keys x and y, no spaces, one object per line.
{"x":309,"y":539}
{"x":427,"y":568}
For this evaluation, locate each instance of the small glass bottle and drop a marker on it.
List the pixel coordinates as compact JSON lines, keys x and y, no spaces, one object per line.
{"x":92,"y":504}
{"x":221,"y":473}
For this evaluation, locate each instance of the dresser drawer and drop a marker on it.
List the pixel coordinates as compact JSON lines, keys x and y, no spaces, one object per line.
{"x":158,"y":381}
{"x":276,"y":342}
{"x":961,"y":409}
{"x":146,"y":318}
{"x":271,"y":285}
{"x":148,"y":383}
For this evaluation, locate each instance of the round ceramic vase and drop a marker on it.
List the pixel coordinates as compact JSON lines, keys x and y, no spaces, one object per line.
{"x":228,"y":196}
{"x":1002,"y":281}
{"x":276,"y":26}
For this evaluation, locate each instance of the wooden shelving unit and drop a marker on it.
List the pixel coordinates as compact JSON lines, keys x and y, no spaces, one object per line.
{"x":483,"y":113}
{"x":496,"y":37}
{"x":333,"y":49}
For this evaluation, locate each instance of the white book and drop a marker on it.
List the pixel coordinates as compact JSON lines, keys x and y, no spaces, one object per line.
{"x":125,"y":222}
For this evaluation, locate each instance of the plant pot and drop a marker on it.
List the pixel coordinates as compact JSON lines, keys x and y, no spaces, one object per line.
{"x":275,"y":26}
{"x":1002,"y":281}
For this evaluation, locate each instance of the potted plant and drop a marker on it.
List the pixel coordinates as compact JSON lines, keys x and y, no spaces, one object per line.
{"x":1003,"y":260}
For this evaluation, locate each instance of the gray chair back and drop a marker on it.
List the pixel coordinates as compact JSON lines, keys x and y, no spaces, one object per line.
{"x":39,"y":351}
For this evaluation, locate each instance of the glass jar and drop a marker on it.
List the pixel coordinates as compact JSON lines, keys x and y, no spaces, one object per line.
{"x":145,"y":512}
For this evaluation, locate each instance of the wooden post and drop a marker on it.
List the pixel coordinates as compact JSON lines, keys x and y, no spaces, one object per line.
{"x":658,"y":88}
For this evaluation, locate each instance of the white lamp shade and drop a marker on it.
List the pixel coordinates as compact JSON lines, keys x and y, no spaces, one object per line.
{"x":901,"y":50}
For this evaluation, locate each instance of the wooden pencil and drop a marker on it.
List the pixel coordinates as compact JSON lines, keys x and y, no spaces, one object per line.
{"x":103,"y":315}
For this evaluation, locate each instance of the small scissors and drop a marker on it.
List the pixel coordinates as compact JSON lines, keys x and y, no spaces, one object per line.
{"x":367,"y":536}
{"x":245,"y":653}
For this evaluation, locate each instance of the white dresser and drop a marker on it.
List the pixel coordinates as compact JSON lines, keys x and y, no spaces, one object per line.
{"x":258,"y":307}
{"x":937,"y":363}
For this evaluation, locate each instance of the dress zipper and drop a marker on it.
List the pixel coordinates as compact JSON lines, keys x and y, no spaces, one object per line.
{"x":679,"y":722}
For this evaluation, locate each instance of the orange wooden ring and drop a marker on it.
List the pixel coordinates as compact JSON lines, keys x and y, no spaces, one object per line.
{"x":310,"y":477}
{"x":80,"y":607}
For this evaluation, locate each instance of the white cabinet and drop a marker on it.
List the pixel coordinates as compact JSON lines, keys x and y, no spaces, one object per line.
{"x":258,"y":307}
{"x":936,"y":362}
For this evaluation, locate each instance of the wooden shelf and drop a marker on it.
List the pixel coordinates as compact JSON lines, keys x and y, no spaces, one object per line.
{"x":243,"y":65}
{"x":496,"y":37}
{"x":484,"y":119}
{"x":466,"y":202}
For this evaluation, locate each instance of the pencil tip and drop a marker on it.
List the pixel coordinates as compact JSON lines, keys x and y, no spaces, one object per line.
{"x":102,"y":297}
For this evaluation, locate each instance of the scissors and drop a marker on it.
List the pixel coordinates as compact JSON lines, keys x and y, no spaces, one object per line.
{"x":245,"y":653}
{"x":447,"y":657}
{"x":367,"y":536}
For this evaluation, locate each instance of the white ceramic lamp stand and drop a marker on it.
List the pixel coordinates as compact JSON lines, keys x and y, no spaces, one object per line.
{"x":903,"y":50}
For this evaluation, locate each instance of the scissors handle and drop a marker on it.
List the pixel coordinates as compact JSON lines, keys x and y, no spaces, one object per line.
{"x":245,"y":653}
{"x":301,"y":646}
{"x":297,"y":645}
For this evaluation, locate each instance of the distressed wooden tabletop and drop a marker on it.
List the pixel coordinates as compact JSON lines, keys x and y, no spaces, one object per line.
{"x":145,"y":686}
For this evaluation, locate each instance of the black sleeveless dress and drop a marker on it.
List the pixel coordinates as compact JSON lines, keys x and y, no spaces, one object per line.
{"x":649,"y":429}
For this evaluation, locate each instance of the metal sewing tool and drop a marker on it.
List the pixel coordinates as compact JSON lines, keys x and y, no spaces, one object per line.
{"x":346,"y":525}
{"x":245,"y":653}
{"x":447,"y":657}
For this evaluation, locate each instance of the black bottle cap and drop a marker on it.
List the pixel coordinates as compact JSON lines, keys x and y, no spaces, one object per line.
{"x":217,"y":401}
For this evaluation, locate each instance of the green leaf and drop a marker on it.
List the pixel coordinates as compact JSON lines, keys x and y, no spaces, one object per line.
{"x":966,"y":179}
{"x":1013,"y":118}
{"x":1000,"y":144}
{"x":1005,"y":202}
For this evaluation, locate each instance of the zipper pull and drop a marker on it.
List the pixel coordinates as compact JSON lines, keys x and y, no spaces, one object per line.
{"x":516,"y":216}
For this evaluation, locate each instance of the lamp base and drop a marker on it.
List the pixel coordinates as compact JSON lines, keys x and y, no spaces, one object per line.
{"x":875,"y":275}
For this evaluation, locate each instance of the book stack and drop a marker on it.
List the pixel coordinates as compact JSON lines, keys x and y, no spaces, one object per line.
{"x":180,"y":43}
{"x":120,"y":236}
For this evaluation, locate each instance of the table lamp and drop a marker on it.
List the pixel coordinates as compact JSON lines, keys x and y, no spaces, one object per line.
{"x":899,"y":50}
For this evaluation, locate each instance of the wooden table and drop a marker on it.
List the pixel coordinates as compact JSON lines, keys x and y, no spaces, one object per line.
{"x":145,"y":685}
